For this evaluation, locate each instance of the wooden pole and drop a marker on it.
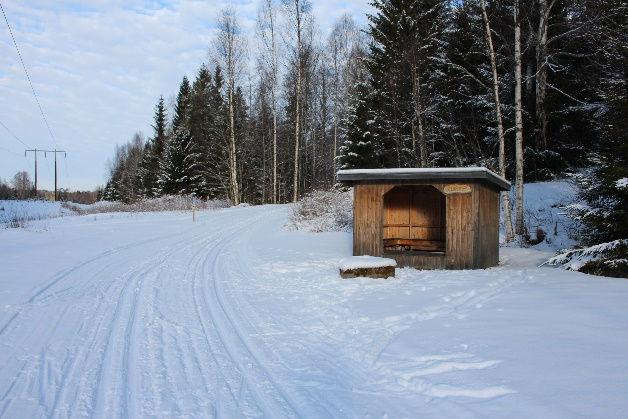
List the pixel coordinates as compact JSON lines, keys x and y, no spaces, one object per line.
{"x":55,"y":151}
{"x":55,"y":174}
{"x":35,"y":172}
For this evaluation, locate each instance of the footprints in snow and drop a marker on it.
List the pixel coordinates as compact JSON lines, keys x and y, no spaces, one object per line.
{"x":434,"y":376}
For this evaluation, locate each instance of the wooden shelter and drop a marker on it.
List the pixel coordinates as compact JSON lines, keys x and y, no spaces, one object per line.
{"x":435,"y":218}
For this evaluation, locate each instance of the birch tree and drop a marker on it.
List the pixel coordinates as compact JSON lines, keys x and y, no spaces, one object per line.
{"x":340,"y":46}
{"x":268,"y":31}
{"x":505,"y":196}
{"x":519,"y":222}
{"x":231,"y":51}
{"x":296,"y":11}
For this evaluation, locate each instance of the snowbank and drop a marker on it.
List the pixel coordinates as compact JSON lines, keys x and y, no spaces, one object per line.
{"x":366,"y":262}
{"x":15,"y":213}
{"x":547,"y":216}
{"x":164,"y":203}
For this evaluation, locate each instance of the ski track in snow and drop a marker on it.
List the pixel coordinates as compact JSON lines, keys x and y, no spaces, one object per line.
{"x":101,"y":372}
{"x":206,"y":322}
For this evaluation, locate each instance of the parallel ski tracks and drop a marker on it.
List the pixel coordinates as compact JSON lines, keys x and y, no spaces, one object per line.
{"x":269,"y":395}
{"x":100,"y":373}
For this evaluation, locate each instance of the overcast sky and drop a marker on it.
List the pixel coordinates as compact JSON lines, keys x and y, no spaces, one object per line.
{"x":99,"y":67}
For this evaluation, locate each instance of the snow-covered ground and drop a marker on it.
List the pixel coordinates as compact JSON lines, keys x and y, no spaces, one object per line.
{"x":233,"y":315}
{"x":545,"y":208}
{"x":29,"y":210}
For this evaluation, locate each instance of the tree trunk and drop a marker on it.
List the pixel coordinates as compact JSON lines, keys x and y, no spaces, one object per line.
{"x":541,"y":74}
{"x":519,"y":222}
{"x":233,"y":163}
{"x":336,"y":99}
{"x":505,"y":196}
{"x":418,"y":110}
{"x":297,"y":126}
{"x":273,"y":93}
{"x":274,"y":148}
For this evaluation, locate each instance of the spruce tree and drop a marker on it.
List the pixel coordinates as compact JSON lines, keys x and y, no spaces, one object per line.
{"x":149,"y":166}
{"x":358,"y":150}
{"x":202,"y":116}
{"x":216,"y":175}
{"x":407,"y":34}
{"x":178,"y":174}
{"x":181,"y":115}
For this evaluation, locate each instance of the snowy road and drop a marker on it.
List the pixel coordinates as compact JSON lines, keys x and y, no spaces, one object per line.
{"x":153,"y":315}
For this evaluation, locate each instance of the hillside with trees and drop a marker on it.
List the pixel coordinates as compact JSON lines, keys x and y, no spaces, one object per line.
{"x":534,"y":90}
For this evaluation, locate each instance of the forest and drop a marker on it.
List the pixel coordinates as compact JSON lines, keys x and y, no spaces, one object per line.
{"x":533,"y":89}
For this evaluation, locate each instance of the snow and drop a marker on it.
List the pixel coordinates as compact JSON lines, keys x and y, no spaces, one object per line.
{"x":547,"y":206}
{"x":574,"y":259}
{"x":473,"y":169}
{"x":622,"y":183}
{"x":418,"y":171}
{"x":152,"y":314}
{"x":415,"y":170}
{"x":357,"y":262}
{"x":28,"y":210}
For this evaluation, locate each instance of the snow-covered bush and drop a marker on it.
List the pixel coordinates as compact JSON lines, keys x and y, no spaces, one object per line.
{"x":164,"y":203}
{"x":607,"y":259}
{"x":323,"y":211}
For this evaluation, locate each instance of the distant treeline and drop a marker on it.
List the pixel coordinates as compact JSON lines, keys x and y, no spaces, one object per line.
{"x":21,"y":187}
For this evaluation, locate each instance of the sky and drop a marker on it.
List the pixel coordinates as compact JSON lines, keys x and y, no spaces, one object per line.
{"x":99,"y":67}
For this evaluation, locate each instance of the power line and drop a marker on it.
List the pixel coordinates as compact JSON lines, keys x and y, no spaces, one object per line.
{"x":11,"y":132}
{"x":55,"y":152}
{"x":19,"y":54}
{"x":10,"y":152}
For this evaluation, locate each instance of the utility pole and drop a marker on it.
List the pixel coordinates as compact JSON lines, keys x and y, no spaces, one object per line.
{"x":35,"y":151}
{"x":55,"y":151}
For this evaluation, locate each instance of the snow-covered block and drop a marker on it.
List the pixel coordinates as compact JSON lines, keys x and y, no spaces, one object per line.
{"x":367,"y":266}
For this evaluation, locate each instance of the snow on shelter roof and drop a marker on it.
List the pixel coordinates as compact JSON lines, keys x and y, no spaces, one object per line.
{"x":449,"y":174}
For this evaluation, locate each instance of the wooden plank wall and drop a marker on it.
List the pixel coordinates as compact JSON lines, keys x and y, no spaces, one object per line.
{"x":397,"y":213}
{"x":459,"y":241}
{"x":487,"y":237}
{"x":414,"y":212}
{"x":367,"y":220}
{"x":471,"y":228}
{"x":427,"y":215}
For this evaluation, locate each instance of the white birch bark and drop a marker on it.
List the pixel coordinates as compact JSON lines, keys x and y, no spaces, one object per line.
{"x":230,"y":49}
{"x":418,"y":111}
{"x":505,"y":196}
{"x":268,"y":34}
{"x":273,"y":92}
{"x":297,"y":122}
{"x":519,"y":221}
